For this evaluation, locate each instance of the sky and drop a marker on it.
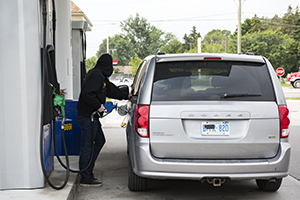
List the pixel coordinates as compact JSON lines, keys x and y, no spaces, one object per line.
{"x":174,"y":16}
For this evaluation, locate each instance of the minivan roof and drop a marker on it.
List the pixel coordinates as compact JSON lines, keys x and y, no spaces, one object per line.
{"x":210,"y":56}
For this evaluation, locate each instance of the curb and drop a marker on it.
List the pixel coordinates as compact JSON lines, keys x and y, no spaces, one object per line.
{"x":75,"y":189}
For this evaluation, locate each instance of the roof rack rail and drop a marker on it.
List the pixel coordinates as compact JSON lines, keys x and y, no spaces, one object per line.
{"x":161,"y":53}
{"x":247,"y":53}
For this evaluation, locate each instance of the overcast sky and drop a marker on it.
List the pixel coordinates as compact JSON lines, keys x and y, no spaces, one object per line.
{"x":177,"y":17}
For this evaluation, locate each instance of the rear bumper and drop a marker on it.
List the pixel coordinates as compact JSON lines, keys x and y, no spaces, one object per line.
{"x":147,"y":166}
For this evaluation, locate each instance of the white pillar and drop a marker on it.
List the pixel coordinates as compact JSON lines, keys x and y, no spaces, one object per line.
{"x":20,"y":89}
{"x":63,"y":47}
{"x":199,"y":44}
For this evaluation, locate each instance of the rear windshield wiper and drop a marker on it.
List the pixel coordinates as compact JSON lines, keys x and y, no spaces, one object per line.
{"x":239,"y":95}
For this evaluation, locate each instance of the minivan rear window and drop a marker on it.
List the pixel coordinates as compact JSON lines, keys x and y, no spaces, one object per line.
{"x":212,"y":80}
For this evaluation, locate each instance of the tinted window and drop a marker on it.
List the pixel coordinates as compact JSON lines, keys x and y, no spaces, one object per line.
{"x":212,"y":80}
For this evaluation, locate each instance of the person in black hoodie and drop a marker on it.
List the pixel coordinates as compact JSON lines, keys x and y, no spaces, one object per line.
{"x":95,"y":88}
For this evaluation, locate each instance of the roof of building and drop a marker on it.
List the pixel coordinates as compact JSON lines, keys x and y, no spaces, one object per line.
{"x":75,"y":9}
{"x":77,"y":12}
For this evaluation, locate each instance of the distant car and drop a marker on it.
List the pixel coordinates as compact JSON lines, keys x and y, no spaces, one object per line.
{"x":294,"y":78}
{"x":125,"y":81}
{"x":207,"y":117}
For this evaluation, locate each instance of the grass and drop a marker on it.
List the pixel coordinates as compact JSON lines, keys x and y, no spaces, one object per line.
{"x":292,"y":98}
{"x":285,"y":85}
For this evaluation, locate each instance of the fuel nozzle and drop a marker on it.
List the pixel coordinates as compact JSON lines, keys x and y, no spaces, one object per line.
{"x":59,"y":101}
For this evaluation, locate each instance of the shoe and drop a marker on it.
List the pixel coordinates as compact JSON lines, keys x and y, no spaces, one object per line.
{"x":91,"y":182}
{"x":93,"y":177}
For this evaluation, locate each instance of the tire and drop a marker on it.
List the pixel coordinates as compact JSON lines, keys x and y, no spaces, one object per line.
{"x":296,"y":84}
{"x":269,"y":185}
{"x":135,"y":182}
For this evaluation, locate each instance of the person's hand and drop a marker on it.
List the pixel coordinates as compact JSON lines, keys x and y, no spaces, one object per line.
{"x":131,"y":92}
{"x":101,"y":109}
{"x":129,"y":95}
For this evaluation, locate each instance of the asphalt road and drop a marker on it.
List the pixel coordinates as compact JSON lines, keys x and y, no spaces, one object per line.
{"x":294,"y":138}
{"x":291,"y":92}
{"x":111,"y":169}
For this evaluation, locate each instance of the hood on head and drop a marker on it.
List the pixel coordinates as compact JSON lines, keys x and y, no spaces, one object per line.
{"x":104,"y":63}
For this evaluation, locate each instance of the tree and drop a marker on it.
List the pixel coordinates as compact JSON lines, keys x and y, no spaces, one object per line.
{"x":191,"y":41}
{"x":135,"y":63}
{"x":173,"y":46}
{"x":274,"y":45}
{"x":291,"y":23}
{"x":291,"y":26}
{"x":145,"y":38}
{"x":90,"y":63}
{"x":256,"y":24}
{"x":137,"y":37}
{"x":215,"y":40}
{"x":121,"y":49}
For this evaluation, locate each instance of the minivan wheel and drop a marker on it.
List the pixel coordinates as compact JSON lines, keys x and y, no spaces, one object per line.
{"x":269,"y":185}
{"x":135,"y":182}
{"x":296,"y":84}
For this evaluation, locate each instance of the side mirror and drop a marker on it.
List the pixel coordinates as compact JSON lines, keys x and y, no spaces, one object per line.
{"x":124,"y":89}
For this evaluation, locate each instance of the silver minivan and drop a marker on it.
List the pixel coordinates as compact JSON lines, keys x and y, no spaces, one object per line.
{"x":207,"y":117}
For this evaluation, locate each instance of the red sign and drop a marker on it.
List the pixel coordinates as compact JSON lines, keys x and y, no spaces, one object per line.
{"x":279,"y":71}
{"x":115,"y":62}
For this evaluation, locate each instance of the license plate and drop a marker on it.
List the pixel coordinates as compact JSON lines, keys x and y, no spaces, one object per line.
{"x":215,"y":128}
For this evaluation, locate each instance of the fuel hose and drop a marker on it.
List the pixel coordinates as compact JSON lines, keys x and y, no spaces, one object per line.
{"x":44,"y":66}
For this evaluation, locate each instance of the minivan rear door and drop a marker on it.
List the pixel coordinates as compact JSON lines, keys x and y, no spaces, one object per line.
{"x":213,"y":110}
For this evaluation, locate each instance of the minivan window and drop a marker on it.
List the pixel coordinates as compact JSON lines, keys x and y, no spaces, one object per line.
{"x":138,"y":77}
{"x":212,"y":80}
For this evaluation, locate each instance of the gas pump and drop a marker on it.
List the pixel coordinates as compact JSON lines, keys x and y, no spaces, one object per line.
{"x":29,"y":82}
{"x":20,"y":76}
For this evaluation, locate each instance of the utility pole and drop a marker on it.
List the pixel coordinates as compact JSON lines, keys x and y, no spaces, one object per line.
{"x":107,"y":44}
{"x":240,"y":28}
{"x":199,"y":44}
{"x":107,"y":40}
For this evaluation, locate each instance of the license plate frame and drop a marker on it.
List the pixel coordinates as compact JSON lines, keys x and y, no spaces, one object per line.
{"x":215,"y":128}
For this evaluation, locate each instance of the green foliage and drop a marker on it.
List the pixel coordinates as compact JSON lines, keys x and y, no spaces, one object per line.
{"x":116,"y":70}
{"x":278,"y":39}
{"x":173,"y":46}
{"x":275,"y":46}
{"x":291,"y":23}
{"x":291,"y":27}
{"x":215,"y":41}
{"x":191,"y":41}
{"x":120,"y":49}
{"x":256,"y":24}
{"x":194,"y":50}
{"x":144,"y":38}
{"x":135,"y":63}
{"x":137,"y":37}
{"x":90,"y":63}
{"x":216,"y":36}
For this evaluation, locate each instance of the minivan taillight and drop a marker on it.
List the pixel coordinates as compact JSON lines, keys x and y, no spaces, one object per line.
{"x":142,"y":120}
{"x":284,"y":121}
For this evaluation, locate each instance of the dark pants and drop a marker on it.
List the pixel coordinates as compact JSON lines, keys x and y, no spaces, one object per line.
{"x":86,"y":145}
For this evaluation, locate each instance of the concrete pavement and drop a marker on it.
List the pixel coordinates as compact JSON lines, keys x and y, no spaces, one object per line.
{"x":58,"y":175}
{"x":111,"y":169}
{"x":47,"y":193}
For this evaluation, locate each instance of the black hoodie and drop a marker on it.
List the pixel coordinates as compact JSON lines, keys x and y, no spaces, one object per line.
{"x":96,"y":87}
